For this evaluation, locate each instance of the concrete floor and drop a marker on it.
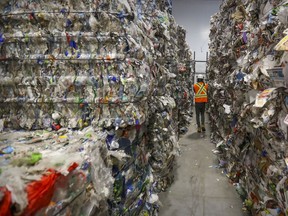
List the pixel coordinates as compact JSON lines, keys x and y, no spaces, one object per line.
{"x":199,"y":189}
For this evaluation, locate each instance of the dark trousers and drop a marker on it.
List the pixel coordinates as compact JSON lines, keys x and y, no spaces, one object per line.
{"x":200,"y":113}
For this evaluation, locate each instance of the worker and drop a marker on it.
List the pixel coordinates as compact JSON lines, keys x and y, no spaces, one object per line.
{"x":200,"y":90}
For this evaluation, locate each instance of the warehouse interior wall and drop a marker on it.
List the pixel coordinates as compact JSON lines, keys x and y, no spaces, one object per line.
{"x":194,"y":16}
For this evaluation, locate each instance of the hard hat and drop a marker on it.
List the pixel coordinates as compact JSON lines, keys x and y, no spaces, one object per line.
{"x":200,"y":76}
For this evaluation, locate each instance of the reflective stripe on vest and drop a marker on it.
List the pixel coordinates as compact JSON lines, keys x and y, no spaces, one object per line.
{"x":202,"y":92}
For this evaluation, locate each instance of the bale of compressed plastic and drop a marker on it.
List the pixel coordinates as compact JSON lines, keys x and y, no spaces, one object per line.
{"x":248,"y":98}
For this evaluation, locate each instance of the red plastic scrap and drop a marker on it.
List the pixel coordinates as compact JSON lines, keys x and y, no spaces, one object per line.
{"x":5,"y":203}
{"x":39,"y":193}
{"x":73,"y":167}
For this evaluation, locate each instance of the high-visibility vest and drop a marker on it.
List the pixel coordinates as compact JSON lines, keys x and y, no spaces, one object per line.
{"x":200,"y":90}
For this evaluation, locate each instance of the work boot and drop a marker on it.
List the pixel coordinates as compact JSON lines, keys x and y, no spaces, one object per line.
{"x":203,"y":128}
{"x":199,"y":130}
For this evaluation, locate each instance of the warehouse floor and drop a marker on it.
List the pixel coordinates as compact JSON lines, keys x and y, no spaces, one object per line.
{"x":200,"y":189}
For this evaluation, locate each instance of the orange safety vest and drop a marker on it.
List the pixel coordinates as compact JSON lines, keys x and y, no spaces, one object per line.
{"x":200,"y":90}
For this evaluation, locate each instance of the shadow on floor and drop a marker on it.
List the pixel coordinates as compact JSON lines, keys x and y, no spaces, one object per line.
{"x":196,"y":136}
